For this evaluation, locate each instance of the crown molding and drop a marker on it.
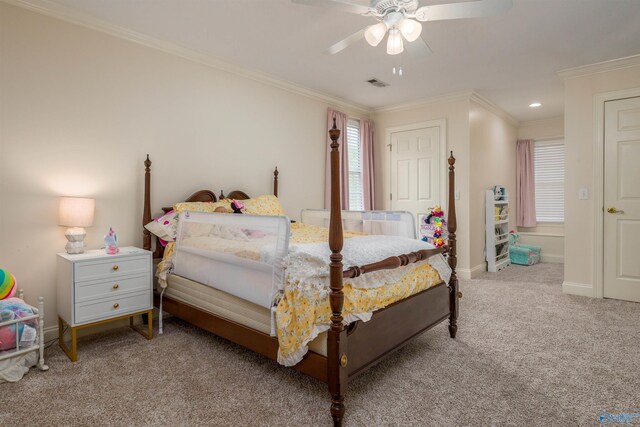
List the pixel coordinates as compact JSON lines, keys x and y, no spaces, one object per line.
{"x":49,"y":8}
{"x":479,"y":99}
{"x":438,"y":99}
{"x":467,"y":95}
{"x":543,"y":122}
{"x":600,"y":67}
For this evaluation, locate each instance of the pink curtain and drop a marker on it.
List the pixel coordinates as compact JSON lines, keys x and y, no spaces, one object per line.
{"x":525,"y":184}
{"x":341,"y":123}
{"x":366,"y":143}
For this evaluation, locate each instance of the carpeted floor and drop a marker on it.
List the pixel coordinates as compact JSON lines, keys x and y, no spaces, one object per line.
{"x":526,"y":354}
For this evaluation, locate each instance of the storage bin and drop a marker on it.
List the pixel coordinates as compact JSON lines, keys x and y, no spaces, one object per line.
{"x":523,"y":254}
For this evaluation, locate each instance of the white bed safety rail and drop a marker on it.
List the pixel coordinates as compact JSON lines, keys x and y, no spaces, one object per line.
{"x":385,"y":223}
{"x":242,"y":255}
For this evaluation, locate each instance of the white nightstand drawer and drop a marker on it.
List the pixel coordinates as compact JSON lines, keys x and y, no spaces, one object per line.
{"x":97,"y":289}
{"x":110,"y":268}
{"x":95,"y":310}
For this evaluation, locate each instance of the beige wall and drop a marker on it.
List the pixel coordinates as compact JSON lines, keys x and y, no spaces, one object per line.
{"x":493,"y":150}
{"x":550,"y":237}
{"x":456,"y":114}
{"x":579,"y":140}
{"x":79,"y":111}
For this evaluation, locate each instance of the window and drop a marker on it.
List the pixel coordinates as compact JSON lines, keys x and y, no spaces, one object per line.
{"x":356,"y":202}
{"x":549,"y":180}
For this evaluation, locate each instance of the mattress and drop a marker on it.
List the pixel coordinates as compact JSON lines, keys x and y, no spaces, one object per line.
{"x":230,"y":307}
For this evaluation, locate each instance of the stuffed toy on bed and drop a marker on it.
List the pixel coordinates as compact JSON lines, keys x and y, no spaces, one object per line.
{"x":15,"y":308}
{"x":237,"y":206}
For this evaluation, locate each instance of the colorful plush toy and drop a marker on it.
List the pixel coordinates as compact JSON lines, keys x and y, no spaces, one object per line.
{"x":8,"y":284}
{"x":432,"y":229}
{"x":10,"y":309}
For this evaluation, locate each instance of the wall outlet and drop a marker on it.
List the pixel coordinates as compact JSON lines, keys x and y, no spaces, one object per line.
{"x":583,"y":193}
{"x":456,"y":195}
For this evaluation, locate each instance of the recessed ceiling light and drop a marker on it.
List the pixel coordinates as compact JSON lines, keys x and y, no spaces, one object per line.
{"x":535,"y":105}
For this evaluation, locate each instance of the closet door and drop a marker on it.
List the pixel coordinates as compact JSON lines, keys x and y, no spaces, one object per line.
{"x":415,"y":169}
{"x":622,"y":199}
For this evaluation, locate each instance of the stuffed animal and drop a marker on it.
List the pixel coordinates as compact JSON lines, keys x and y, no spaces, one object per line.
{"x":14,"y":308}
{"x":237,"y":206}
{"x":8,"y":284}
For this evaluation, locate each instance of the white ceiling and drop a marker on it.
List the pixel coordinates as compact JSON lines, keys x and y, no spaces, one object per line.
{"x":511,"y":59}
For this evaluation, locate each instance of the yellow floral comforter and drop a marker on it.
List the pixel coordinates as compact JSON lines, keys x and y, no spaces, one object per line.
{"x":303,"y":314}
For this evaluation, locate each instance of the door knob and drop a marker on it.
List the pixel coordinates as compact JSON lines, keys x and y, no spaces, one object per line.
{"x":614,"y":210}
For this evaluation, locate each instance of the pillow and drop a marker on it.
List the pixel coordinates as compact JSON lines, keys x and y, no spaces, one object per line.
{"x":165,"y":227}
{"x":263,"y":205}
{"x":202,"y":206}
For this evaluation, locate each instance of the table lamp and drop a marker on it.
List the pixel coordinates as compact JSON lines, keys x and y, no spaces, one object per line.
{"x":76,"y":213}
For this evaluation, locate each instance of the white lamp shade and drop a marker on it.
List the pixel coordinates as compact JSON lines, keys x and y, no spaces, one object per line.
{"x":410,"y":29}
{"x":394,"y":43}
{"x":375,"y":33}
{"x":76,"y":211}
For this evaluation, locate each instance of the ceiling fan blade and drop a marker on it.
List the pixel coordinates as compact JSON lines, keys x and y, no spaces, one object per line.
{"x":343,"y":5}
{"x":470,"y":9}
{"x":418,"y":49}
{"x":344,"y":43}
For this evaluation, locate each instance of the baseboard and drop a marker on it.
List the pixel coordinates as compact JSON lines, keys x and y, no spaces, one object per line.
{"x":554,"y":259}
{"x":470,"y":273}
{"x":581,"y":289}
{"x":50,"y":333}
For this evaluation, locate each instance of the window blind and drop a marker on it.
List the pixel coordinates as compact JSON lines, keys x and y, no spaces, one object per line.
{"x":549,"y":180}
{"x":356,"y":202}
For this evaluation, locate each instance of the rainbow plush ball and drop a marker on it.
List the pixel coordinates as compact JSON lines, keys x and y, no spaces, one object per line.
{"x":8,"y":284}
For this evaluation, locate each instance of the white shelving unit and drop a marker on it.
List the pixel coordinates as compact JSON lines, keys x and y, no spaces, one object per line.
{"x":497,"y":229}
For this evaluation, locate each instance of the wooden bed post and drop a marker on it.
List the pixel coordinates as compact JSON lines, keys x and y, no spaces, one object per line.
{"x":275,"y":182}
{"x":146,"y":213}
{"x":453,"y":260}
{"x":337,"y":337}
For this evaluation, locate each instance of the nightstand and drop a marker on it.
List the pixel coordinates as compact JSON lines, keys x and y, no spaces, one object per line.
{"x":94,"y":288}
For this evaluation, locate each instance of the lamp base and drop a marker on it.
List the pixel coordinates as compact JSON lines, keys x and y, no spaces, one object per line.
{"x":75,"y":237}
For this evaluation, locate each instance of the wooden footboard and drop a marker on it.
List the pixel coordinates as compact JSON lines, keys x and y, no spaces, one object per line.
{"x":396,"y":325}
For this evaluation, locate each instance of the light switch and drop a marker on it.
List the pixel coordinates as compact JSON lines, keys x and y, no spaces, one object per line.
{"x":457,"y":195}
{"x":583,"y":193}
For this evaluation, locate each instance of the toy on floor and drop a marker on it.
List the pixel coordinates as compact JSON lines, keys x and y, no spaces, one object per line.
{"x":8,"y":284}
{"x":522,"y":254}
{"x":433,"y":228}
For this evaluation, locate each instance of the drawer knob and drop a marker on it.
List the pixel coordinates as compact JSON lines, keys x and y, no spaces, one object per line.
{"x":115,"y":267}
{"x":116,"y":286}
{"x":116,"y":305}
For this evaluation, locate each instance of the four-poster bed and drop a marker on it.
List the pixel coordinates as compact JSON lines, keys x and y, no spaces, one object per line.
{"x":353,"y":348}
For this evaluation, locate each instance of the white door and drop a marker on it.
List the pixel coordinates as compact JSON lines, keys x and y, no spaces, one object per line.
{"x":415,"y":169}
{"x":622,"y":199}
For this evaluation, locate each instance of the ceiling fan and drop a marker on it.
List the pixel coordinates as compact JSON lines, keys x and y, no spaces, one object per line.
{"x":402,"y":20}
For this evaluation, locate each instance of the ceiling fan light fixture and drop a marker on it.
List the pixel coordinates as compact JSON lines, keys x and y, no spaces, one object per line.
{"x":375,"y":33}
{"x":410,"y":29}
{"x":394,"y":42}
